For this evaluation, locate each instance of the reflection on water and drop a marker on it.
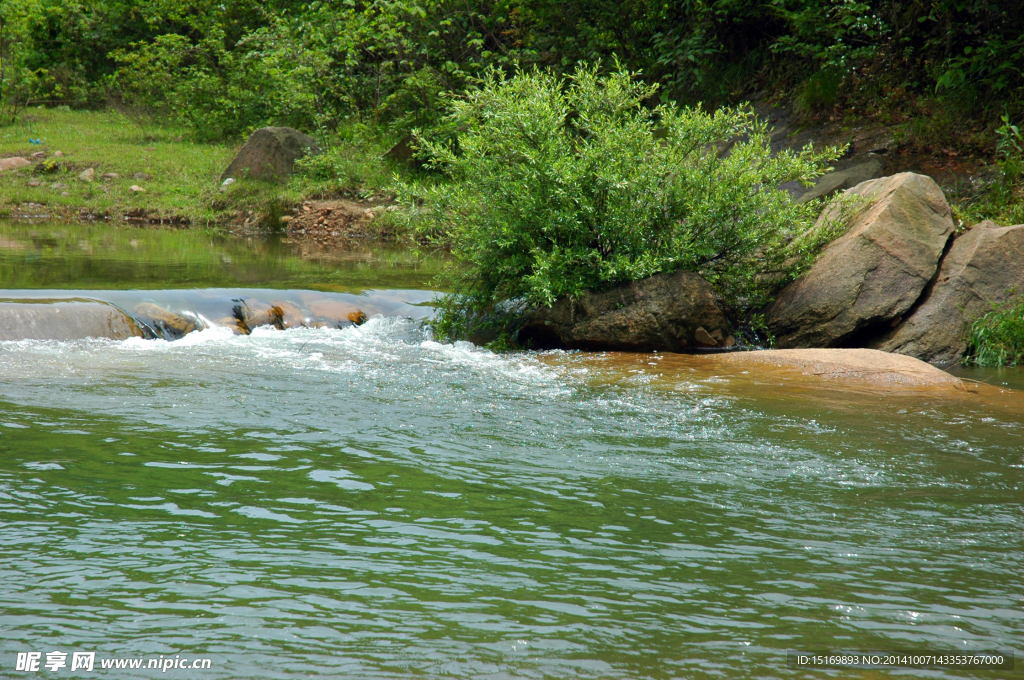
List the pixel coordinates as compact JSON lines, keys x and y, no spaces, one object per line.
{"x":366,"y":502}
{"x":112,"y":257}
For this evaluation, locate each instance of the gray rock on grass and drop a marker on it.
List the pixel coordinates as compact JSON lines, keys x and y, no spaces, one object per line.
{"x":13,"y":163}
{"x":271,"y":153}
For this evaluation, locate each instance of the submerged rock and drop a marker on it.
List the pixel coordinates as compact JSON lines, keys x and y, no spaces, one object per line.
{"x":984,"y":267}
{"x":64,"y":321}
{"x":338,"y":314}
{"x":290,"y":315}
{"x":165,"y":324}
{"x":866,"y":366}
{"x":271,"y":153}
{"x":674,"y":312}
{"x":874,"y":273}
{"x":251,"y":313}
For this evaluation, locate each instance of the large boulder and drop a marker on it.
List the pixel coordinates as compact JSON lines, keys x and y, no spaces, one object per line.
{"x":674,"y":312}
{"x":869,"y":277}
{"x":73,"y":320}
{"x":984,"y":267}
{"x":271,"y":153}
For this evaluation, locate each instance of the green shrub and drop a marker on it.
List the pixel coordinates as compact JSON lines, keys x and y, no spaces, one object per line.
{"x":997,"y":339}
{"x":557,"y":187}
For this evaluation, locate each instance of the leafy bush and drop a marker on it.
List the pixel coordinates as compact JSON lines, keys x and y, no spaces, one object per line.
{"x":221,"y":93}
{"x":997,"y":339}
{"x":558,"y":187}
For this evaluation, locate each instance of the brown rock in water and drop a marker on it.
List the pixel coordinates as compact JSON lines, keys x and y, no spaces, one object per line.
{"x":291,"y":316}
{"x":252,"y":313}
{"x":12,"y":163}
{"x":166,"y":324}
{"x":873,"y":273}
{"x":984,"y":267}
{"x":674,"y":312}
{"x":232,"y":323}
{"x":866,"y":366}
{"x":64,"y":321}
{"x":338,"y":313}
{"x":271,"y":153}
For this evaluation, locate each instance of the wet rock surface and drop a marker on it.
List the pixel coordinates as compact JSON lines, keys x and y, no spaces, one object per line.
{"x":161,"y":322}
{"x":874,"y":273}
{"x":667,"y":312}
{"x":866,"y":366}
{"x":984,"y":268}
{"x":69,"y":320}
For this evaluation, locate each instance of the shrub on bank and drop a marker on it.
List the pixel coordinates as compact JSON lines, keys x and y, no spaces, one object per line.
{"x":558,"y":186}
{"x":997,"y":339}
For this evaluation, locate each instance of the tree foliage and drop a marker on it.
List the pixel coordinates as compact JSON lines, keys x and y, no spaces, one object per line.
{"x":226,"y":66}
{"x":558,"y":186}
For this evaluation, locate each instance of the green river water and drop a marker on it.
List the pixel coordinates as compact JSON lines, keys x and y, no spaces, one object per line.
{"x":370,"y":503}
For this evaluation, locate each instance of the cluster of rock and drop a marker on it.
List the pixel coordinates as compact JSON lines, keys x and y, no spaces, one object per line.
{"x":43,"y":165}
{"x":82,"y":318}
{"x":898,"y":280}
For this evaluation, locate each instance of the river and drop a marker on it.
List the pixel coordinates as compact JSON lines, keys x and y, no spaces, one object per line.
{"x":367,"y":502}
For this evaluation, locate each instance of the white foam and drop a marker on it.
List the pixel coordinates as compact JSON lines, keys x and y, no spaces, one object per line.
{"x":206,"y":336}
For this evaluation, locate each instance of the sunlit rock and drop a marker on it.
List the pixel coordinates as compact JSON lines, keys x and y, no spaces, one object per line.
{"x":985,"y":267}
{"x":870,"y":276}
{"x":865,"y":366}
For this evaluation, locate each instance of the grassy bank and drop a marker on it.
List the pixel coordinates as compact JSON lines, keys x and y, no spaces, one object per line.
{"x":179,"y":178}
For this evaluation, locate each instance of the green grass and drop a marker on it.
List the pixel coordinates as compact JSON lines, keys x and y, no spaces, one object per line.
{"x":185,"y":174}
{"x":997,"y":339}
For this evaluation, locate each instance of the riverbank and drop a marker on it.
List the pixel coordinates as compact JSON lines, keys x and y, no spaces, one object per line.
{"x":157,"y":175}
{"x":103,"y":166}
